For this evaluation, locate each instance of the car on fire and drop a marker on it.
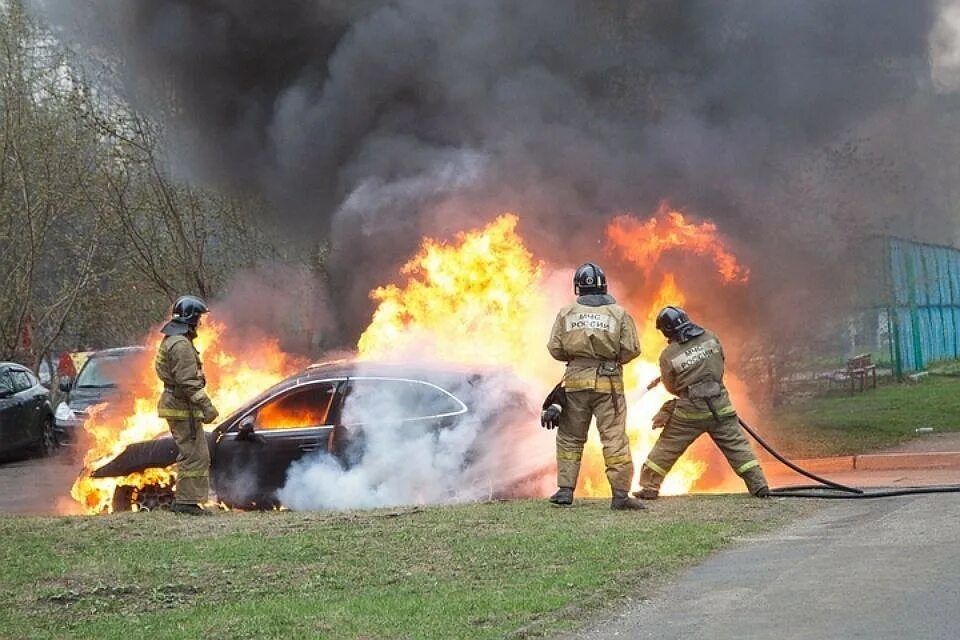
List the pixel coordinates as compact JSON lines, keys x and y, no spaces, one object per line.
{"x":329,"y":410}
{"x":98,"y":381}
{"x":26,"y":418}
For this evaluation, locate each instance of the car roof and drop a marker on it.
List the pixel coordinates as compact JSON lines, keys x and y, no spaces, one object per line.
{"x":115,"y":352}
{"x":14,"y":365}
{"x":372,"y":368}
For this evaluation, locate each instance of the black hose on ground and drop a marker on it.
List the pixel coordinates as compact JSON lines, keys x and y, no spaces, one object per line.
{"x":829,"y":490}
{"x":823,"y":481}
{"x":825,"y":493}
{"x":825,"y":487}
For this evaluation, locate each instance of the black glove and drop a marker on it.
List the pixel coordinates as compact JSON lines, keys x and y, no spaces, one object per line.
{"x":550,"y":417}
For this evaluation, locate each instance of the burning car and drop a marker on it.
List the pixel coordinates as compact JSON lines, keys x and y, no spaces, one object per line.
{"x":334,"y":412}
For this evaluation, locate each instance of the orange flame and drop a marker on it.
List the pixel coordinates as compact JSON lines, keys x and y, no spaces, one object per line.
{"x":476,"y":300}
{"x":644,"y":243}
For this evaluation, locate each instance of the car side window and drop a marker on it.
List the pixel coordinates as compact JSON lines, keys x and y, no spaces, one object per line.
{"x":21,"y":381}
{"x":307,"y":407}
{"x":384,"y":399}
{"x":6,"y":382}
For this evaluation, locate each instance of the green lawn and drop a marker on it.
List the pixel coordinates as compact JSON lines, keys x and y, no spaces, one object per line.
{"x":481,"y":571}
{"x":845,"y":425}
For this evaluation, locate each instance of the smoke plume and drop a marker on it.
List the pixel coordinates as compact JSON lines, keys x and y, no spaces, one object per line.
{"x":799,"y":127}
{"x":392,"y":456}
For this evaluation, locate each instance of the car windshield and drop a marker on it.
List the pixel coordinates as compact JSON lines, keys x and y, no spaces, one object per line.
{"x":103,"y":372}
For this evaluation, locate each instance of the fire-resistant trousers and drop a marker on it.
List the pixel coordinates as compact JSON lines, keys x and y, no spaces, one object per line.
{"x":611,"y":413}
{"x":193,"y":461}
{"x":681,"y":433}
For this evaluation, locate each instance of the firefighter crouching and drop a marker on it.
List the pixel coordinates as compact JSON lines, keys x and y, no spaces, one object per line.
{"x":691,"y":368}
{"x":595,"y":337}
{"x":184,"y":404}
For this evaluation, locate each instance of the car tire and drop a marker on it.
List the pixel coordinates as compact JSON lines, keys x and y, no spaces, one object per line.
{"x":47,"y":446}
{"x":151,"y":497}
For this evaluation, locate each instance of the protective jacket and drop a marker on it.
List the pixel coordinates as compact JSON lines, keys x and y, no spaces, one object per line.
{"x":595,"y":337}
{"x":692,"y":370}
{"x":179,"y":368}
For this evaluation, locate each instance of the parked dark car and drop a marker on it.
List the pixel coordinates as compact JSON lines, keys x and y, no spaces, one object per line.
{"x":253,"y":448}
{"x":26,"y":418}
{"x":96,"y":382}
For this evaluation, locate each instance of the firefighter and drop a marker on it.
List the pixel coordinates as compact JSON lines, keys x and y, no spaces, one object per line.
{"x":184,"y":404}
{"x":595,"y":337}
{"x":691,"y":368}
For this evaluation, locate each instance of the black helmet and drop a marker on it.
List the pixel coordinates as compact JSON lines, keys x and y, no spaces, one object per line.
{"x":589,"y":279}
{"x":188,"y":309}
{"x":671,"y":320}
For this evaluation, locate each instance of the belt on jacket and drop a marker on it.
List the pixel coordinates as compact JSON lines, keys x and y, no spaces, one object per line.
{"x":179,"y":395}
{"x":590,"y":362}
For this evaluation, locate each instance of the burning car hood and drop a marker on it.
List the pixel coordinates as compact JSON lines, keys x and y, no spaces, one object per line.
{"x":159,"y":453}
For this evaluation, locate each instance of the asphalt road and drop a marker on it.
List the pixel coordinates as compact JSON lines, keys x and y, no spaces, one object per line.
{"x":38,"y":486}
{"x":878,"y":569}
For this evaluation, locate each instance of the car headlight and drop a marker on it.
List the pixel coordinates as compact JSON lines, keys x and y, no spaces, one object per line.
{"x":63,"y":412}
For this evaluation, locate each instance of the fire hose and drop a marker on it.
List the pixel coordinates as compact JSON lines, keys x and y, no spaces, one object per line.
{"x":825,"y":488}
{"x":830,"y":490}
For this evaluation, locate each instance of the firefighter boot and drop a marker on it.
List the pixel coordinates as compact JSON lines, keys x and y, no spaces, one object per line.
{"x":190,"y":509}
{"x":646,"y":493}
{"x":622,"y":502}
{"x":563,"y":497}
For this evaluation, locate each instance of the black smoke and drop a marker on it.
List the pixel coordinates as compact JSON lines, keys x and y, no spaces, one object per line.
{"x":799,"y":127}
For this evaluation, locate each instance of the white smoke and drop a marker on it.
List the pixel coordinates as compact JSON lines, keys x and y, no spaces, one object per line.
{"x":945,"y":47}
{"x":496,"y":449}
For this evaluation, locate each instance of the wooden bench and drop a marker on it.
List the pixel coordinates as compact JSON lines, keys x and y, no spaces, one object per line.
{"x":853,"y":377}
{"x":859,"y":368}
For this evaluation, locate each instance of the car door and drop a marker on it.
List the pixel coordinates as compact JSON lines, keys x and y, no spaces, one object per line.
{"x":252,"y":457}
{"x":22,"y":427}
{"x":9,"y":413}
{"x":375,"y":409}
{"x":34,"y":399}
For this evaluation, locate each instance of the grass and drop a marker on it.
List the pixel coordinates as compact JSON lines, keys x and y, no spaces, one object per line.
{"x":945,"y":368}
{"x":490,"y":570}
{"x":869,"y":421}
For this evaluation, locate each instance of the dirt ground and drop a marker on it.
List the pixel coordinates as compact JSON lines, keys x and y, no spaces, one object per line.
{"x":929,"y":443}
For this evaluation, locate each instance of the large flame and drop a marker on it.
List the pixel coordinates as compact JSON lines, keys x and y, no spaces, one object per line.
{"x":481,"y":299}
{"x":644,"y":242}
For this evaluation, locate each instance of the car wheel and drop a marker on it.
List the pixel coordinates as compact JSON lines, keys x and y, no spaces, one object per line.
{"x":151,"y":497}
{"x":48,"y":440}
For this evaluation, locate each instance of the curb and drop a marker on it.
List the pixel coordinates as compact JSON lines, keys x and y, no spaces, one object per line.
{"x":882,"y":462}
{"x":885,"y":461}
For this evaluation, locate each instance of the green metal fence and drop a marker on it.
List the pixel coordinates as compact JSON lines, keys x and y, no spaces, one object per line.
{"x":922,"y":303}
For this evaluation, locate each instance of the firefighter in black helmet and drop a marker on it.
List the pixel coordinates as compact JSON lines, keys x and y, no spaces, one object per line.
{"x":185,"y":403}
{"x":691,"y":368}
{"x":595,"y":337}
